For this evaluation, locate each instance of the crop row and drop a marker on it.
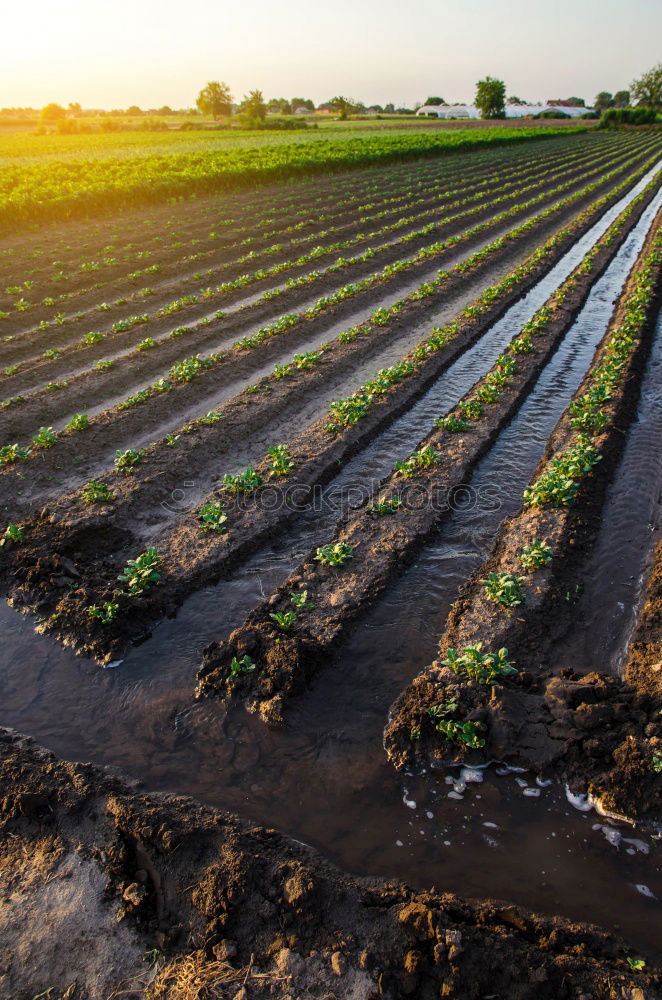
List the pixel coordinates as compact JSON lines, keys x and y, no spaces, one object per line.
{"x":75,"y":189}
{"x":509,"y":616}
{"x":57,"y":346}
{"x":196,"y":367}
{"x":341,"y":577}
{"x":381,"y":202}
{"x":216,"y":535}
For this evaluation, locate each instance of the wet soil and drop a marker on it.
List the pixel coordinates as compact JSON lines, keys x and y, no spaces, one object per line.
{"x":223,"y":906}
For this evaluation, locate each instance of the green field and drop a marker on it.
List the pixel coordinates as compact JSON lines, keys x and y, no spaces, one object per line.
{"x":44,"y":178}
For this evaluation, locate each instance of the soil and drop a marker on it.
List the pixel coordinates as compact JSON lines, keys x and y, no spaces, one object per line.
{"x":74,"y":553}
{"x":381,"y":546}
{"x":156,"y":896}
{"x":600,"y":732}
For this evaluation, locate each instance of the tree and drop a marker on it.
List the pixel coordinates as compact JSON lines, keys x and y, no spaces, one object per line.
{"x":491,"y":97}
{"x":302,"y":102}
{"x":74,"y":108}
{"x":647,"y":90}
{"x":603,"y":101}
{"x":253,"y":108}
{"x":622,"y":99}
{"x":134,"y":110}
{"x":389,"y":109}
{"x":53,"y":113}
{"x":342,"y":105}
{"x":215,"y":99}
{"x":434,"y":101}
{"x":516,"y":100}
{"x":279,"y":106}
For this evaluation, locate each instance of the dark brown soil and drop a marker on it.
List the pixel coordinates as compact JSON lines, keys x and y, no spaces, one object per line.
{"x":74,"y":553}
{"x":230,"y":911}
{"x":381,"y":546}
{"x":600,"y":732}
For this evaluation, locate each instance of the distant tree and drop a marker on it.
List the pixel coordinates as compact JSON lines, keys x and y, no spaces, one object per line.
{"x":343,"y":106}
{"x":165,"y":110}
{"x":622,"y":99}
{"x":215,"y":99}
{"x":302,"y":102}
{"x":647,"y":90}
{"x":389,"y":109}
{"x":515,"y":100}
{"x":74,"y":109}
{"x":577,"y":102}
{"x":134,"y":110}
{"x":253,"y":108}
{"x":434,"y":101}
{"x":53,"y":113}
{"x":603,"y":100}
{"x":491,"y":97}
{"x":280,"y":106}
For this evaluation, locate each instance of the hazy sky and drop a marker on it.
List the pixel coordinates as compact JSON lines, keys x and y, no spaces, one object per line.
{"x":112,"y":53}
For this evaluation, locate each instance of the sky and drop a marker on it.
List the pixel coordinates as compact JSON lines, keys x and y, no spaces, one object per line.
{"x":114,"y":53}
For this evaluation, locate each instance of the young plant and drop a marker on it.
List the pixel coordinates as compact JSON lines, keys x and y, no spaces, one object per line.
{"x":483,"y":668}
{"x":140,"y":573}
{"x":96,"y":492}
{"x":212,"y":516}
{"x":10,"y":453}
{"x":126,"y":460}
{"x":505,"y":589}
{"x":334,"y":555}
{"x":535,"y":555}
{"x":418,"y":461}
{"x":300,"y":600}
{"x":146,"y":344}
{"x":79,"y":422}
{"x":242,"y":482}
{"x":171,"y":440}
{"x":14,"y":534}
{"x":454,"y":425}
{"x":106,"y":614}
{"x":243,"y":666}
{"x":45,"y":437}
{"x":279,"y":460}
{"x":92,"y":338}
{"x":383,"y":507}
{"x":284,"y":619}
{"x":463,"y":733}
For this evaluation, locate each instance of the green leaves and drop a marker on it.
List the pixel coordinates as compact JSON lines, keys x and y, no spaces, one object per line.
{"x":482,"y":668}
{"x":505,"y":589}
{"x":336,"y":554}
{"x":140,"y":573}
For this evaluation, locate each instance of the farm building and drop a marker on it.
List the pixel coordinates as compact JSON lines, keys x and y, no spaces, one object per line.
{"x":448,"y":111}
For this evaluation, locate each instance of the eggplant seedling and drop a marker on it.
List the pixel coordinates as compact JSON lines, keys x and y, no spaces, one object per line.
{"x":106,"y":614}
{"x":212,"y":516}
{"x":96,"y":492}
{"x":505,"y":589}
{"x":284,"y":619}
{"x":279,"y":460}
{"x":300,"y":600}
{"x":14,"y":533}
{"x":535,"y":555}
{"x":243,"y":666}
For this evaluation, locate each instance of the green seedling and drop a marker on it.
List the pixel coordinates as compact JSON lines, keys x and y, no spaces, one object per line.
{"x":79,"y":422}
{"x":454,"y":425}
{"x":418,"y":461}
{"x":96,"y":492}
{"x":482,"y":668}
{"x":284,"y":619}
{"x":127,"y":460}
{"x":505,"y":589}
{"x":334,"y":555}
{"x":212,"y":516}
{"x":106,"y":614}
{"x":45,"y":437}
{"x":140,"y":573}
{"x":535,"y":555}
{"x":279,"y":460}
{"x":463,"y":733}
{"x":300,"y":600}
{"x":10,"y":453}
{"x":381,"y":508}
{"x":242,"y":482}
{"x":243,"y":666}
{"x":14,"y":534}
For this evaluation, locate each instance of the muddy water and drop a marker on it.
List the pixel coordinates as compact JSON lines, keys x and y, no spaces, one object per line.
{"x":615,"y":576}
{"x":324,"y":779}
